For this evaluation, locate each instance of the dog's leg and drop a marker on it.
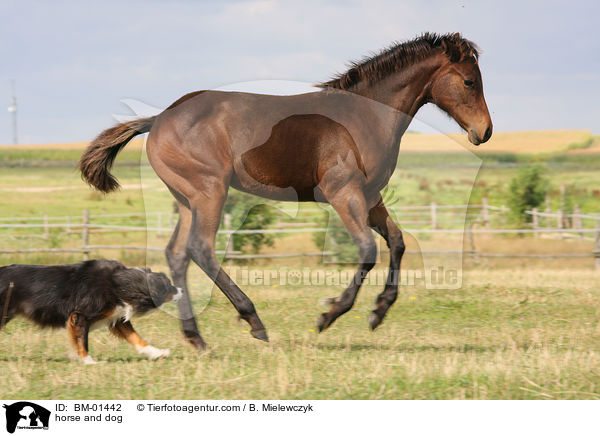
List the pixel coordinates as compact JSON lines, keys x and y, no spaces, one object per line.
{"x":78,"y":328}
{"x":125,"y":330}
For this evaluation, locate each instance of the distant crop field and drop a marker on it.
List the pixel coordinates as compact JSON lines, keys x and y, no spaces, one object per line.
{"x":525,"y":142}
{"x":136,"y":144}
{"x":528,"y":142}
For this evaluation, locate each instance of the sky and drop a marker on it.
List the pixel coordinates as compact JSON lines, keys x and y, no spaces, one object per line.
{"x":74,"y":62}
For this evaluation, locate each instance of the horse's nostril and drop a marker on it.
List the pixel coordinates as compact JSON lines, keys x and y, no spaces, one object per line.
{"x":487,"y":134}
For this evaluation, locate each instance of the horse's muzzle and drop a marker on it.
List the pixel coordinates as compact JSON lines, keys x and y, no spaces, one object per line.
{"x":476,"y":138}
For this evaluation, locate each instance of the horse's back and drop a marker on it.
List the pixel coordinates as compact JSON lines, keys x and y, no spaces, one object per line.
{"x":274,"y":146}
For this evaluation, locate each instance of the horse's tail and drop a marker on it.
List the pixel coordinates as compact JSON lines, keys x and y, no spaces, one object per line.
{"x":98,"y":158}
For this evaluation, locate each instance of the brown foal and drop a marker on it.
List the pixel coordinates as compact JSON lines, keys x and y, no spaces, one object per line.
{"x":337,"y":146}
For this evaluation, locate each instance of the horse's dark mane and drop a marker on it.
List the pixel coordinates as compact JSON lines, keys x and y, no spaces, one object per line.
{"x":399,"y":55}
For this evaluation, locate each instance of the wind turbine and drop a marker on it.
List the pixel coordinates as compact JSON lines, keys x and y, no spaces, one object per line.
{"x":12,"y":108}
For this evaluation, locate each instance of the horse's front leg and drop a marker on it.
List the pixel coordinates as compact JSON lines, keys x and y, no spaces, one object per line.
{"x":349,"y":202}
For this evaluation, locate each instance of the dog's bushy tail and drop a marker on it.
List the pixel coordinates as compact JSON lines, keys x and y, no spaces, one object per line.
{"x":98,"y":158}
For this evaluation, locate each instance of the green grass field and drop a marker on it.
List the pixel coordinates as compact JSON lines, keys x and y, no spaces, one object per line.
{"x":516,"y":329}
{"x":504,"y":335}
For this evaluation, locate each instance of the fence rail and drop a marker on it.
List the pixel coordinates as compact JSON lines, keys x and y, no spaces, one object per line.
{"x":436,"y":218}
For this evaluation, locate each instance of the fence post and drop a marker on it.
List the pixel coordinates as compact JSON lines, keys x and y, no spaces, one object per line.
{"x":597,"y":245}
{"x":535,"y":222}
{"x":485,"y":212}
{"x":559,"y":222}
{"x":576,"y":219}
{"x":433,"y":208}
{"x":229,"y":238}
{"x":85,"y":234}
{"x":46,"y":229}
{"x":547,"y":209}
{"x":160,"y":222}
{"x":563,"y":206}
{"x":472,"y":250}
{"x":68,"y":224}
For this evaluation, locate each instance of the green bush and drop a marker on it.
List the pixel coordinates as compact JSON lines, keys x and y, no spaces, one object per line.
{"x":336,"y":239}
{"x":526,"y":191}
{"x":249,"y":212}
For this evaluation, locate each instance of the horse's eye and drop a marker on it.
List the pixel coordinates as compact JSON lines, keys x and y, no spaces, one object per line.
{"x":469,"y":83}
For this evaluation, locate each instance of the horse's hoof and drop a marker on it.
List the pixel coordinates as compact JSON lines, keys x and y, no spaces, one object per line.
{"x":323,"y":322}
{"x":195,"y":340}
{"x":374,"y":320}
{"x":260,"y":334}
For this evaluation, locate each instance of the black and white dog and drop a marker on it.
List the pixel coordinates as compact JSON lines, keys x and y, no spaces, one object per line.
{"x":84,"y":296}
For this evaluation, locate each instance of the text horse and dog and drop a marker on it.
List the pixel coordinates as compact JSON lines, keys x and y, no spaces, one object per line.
{"x":337,"y":146}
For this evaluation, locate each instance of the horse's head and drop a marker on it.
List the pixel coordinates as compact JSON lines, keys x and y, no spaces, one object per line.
{"x":457,"y":89}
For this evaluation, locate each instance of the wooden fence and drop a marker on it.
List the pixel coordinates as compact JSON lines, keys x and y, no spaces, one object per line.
{"x":434,"y":219}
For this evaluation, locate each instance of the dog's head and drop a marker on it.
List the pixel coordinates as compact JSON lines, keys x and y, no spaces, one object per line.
{"x":160,"y":288}
{"x":145,"y":290}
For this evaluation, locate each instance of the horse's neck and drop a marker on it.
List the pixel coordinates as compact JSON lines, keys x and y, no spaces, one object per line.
{"x":405,"y":91}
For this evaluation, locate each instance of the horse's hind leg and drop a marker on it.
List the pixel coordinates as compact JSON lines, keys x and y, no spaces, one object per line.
{"x":380,"y":220}
{"x":349,"y":202}
{"x":179,"y":260}
{"x":206,"y":216}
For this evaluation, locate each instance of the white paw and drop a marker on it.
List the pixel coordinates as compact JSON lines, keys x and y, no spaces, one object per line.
{"x":154,"y":353}
{"x":88,"y":360}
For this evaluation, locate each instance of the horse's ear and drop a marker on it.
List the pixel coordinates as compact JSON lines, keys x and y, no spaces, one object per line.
{"x":451,"y":44}
{"x":452,"y":49}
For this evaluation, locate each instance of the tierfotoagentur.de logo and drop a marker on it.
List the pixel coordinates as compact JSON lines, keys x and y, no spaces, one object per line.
{"x":24,"y":415}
